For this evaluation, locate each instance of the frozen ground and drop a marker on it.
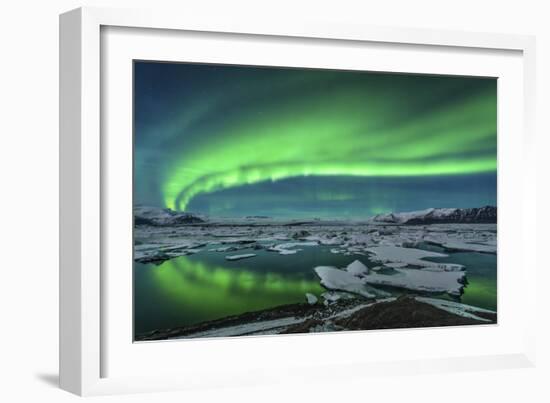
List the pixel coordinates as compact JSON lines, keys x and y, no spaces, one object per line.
{"x":396,"y":249}
{"x":344,"y":314}
{"x":392,"y":244}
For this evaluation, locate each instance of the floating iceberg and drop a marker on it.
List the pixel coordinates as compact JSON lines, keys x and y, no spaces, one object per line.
{"x":357,"y":279}
{"x":357,"y":268}
{"x":311,"y":299}
{"x":461,"y":245}
{"x":288,"y":248}
{"x":411,"y":256}
{"x":330,"y":297}
{"x":396,"y":265}
{"x":340,"y":280}
{"x":451,"y":282}
{"x":238,"y":257}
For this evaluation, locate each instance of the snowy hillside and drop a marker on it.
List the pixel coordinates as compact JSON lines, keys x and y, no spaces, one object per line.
{"x":155,"y":216}
{"x":487,"y":214}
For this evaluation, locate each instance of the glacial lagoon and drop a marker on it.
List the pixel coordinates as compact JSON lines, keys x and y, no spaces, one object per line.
{"x":204,"y":286}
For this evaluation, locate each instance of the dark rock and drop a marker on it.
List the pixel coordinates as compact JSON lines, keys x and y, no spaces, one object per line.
{"x":405,"y":312}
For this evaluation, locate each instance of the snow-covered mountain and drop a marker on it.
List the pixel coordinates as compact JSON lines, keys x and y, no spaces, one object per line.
{"x":155,"y":216}
{"x":487,"y":214}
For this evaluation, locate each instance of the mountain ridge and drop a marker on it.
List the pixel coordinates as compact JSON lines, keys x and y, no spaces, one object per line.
{"x":159,"y":217}
{"x":472,"y":215}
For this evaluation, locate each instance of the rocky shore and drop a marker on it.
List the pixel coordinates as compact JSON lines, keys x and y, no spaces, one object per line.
{"x":343,"y":315}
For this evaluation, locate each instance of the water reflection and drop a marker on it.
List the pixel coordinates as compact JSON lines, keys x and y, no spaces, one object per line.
{"x":184,"y":291}
{"x":193,"y":289}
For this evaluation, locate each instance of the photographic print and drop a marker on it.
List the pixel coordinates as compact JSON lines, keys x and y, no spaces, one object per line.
{"x":275,"y":200}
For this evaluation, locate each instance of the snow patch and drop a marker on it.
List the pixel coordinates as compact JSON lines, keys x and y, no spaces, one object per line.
{"x":457,"y":308}
{"x":246,"y":329}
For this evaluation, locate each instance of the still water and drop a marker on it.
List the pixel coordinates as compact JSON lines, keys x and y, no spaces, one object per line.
{"x":205,"y":286}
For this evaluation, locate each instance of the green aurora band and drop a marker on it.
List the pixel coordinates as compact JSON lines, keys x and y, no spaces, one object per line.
{"x":326,"y":123}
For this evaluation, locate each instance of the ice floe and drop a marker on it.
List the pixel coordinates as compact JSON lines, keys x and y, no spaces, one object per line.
{"x":411,"y":256}
{"x":330,"y":297}
{"x":238,"y":257}
{"x":224,"y":249}
{"x":461,"y":245}
{"x":289,"y":248}
{"x":357,"y":279}
{"x":451,"y":282}
{"x":357,"y":268}
{"x":311,"y":299}
{"x":396,"y":265}
{"x":340,"y":280}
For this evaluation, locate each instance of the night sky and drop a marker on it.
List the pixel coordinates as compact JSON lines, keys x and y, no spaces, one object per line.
{"x":280,"y":142}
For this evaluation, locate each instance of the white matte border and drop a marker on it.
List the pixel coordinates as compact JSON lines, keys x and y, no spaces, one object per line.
{"x":87,"y":288}
{"x":123,"y":45}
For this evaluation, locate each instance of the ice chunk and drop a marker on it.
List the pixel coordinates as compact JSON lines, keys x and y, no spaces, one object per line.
{"x":311,"y":299}
{"x":238,"y":257}
{"x":471,"y":240}
{"x":411,"y":256}
{"x":376,"y":268}
{"x":286,"y":251}
{"x":224,"y":249}
{"x":451,"y":282}
{"x":469,"y":247}
{"x":331,"y":297}
{"x":288,"y":248}
{"x":357,"y":268}
{"x":340,"y":280}
{"x":396,"y":265}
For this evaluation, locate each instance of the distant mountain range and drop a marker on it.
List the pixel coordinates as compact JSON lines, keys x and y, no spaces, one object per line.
{"x":160,"y":217}
{"x":478,"y":215}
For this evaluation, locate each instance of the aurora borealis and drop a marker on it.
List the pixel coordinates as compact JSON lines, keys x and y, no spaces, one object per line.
{"x":232,"y":140}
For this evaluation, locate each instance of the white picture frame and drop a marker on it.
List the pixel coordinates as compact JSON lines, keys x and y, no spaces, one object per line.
{"x":88,"y":182}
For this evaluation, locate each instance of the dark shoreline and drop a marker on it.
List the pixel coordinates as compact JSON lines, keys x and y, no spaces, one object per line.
{"x":402,"y":312}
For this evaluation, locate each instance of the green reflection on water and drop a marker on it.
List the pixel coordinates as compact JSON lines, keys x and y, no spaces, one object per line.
{"x":193,"y":289}
{"x":481,"y":272}
{"x":187,"y":291}
{"x":481,"y":292}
